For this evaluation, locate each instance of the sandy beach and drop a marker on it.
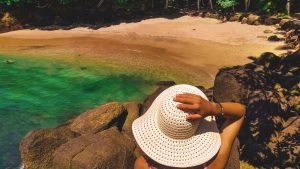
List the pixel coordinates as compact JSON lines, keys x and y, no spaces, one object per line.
{"x":193,"y":48}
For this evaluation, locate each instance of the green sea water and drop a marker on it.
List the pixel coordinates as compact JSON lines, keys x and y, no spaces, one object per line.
{"x":41,"y":93}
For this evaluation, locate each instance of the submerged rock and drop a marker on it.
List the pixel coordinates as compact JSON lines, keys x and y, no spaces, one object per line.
{"x":9,"y":62}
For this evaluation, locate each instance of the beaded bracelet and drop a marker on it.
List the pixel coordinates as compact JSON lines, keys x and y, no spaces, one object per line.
{"x":222,"y":109}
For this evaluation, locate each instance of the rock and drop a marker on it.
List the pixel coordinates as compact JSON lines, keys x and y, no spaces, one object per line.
{"x":244,"y":20}
{"x":243,"y":15}
{"x":166,"y":83}
{"x":7,"y":20}
{"x":210,"y":15}
{"x":296,"y":15}
{"x":283,"y":22}
{"x":99,"y":119}
{"x":272,"y":20}
{"x":257,"y":23}
{"x":289,"y":25}
{"x":268,"y":139}
{"x":268,"y":31}
{"x":234,"y":158}
{"x":107,"y":149}
{"x":252,"y":19}
{"x":291,"y":127}
{"x":285,"y":47}
{"x":133,"y":111}
{"x":100,"y":138}
{"x":37,"y":147}
{"x":285,"y":142}
{"x":235,"y":17}
{"x":227,"y":88}
{"x":148,"y":101}
{"x":274,"y":38}
{"x":9,"y":23}
{"x":208,"y":92}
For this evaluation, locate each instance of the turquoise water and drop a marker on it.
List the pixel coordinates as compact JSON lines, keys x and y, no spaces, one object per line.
{"x":45,"y":93}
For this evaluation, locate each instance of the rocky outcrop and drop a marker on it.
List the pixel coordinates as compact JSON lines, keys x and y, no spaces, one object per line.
{"x":292,"y":35}
{"x":99,"y":138}
{"x":269,"y":86}
{"x":102,"y":137}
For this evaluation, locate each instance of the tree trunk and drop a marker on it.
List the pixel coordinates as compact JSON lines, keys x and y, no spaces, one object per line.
{"x":211,"y":5}
{"x":198,"y":5}
{"x":167,"y":4}
{"x":152,"y":4}
{"x":247,"y":4}
{"x":288,"y":7}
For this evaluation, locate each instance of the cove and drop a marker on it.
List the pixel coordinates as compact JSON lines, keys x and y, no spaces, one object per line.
{"x":42,"y":93}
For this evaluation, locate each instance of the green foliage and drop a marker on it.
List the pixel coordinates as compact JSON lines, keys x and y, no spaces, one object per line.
{"x":227,"y":3}
{"x":12,"y":2}
{"x":9,"y":2}
{"x":270,"y":6}
{"x":121,"y":3}
{"x":283,"y":16}
{"x":65,"y":1}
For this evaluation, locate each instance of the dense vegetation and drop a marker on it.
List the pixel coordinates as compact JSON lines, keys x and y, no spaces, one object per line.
{"x":269,"y":6}
{"x":95,"y":13}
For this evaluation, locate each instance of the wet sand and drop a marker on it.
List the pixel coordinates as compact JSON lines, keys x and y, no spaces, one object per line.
{"x":186,"y":50}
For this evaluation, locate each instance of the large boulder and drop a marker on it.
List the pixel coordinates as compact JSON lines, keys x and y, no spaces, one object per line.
{"x":253,"y":19}
{"x":37,"y":147}
{"x":100,"y":118}
{"x":99,"y":138}
{"x":272,"y":20}
{"x":269,"y":87}
{"x":162,"y":86}
{"x":107,"y":149}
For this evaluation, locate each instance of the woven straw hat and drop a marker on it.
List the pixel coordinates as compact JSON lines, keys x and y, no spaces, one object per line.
{"x":164,"y":134}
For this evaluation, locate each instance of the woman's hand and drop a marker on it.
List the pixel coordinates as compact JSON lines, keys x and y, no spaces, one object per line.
{"x":195,"y":105}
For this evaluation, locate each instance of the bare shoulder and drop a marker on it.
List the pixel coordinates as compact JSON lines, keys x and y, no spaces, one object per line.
{"x":140,"y":163}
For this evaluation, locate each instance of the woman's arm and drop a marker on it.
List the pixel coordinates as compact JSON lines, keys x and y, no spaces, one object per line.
{"x":234,"y":113}
{"x":197,"y":107}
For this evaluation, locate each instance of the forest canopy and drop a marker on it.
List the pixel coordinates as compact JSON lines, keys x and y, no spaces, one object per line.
{"x":270,"y":6}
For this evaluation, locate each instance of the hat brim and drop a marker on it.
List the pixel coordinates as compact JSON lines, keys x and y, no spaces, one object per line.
{"x":194,"y":151}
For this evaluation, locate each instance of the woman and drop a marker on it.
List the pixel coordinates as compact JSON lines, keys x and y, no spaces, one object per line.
{"x":179,"y":130}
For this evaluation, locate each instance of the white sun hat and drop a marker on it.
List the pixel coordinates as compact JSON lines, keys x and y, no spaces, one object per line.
{"x":164,"y":134}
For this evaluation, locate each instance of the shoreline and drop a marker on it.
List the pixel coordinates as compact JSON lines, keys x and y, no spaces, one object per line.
{"x":151,"y":45}
{"x":182,"y":27}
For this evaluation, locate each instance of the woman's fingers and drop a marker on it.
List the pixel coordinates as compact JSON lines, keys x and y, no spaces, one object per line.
{"x":184,"y":100}
{"x":193,"y":116}
{"x":188,"y":95}
{"x":187,"y":107}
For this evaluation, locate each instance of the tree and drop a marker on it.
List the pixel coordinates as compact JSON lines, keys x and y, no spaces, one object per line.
{"x":247,"y":4}
{"x":166,"y":4}
{"x":211,"y":4}
{"x":288,"y":7}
